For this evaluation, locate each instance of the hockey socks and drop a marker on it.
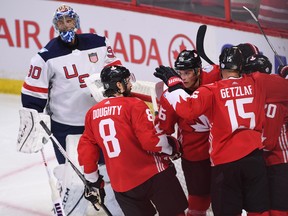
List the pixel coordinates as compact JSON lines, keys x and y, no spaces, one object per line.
{"x":198,"y":205}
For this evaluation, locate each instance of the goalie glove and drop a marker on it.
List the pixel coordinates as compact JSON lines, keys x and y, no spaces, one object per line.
{"x":283,"y":70}
{"x":169,"y":77}
{"x":94,"y":192}
{"x":177,"y":150}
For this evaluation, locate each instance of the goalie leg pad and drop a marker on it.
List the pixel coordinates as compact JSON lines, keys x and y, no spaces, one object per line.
{"x":72,"y":188}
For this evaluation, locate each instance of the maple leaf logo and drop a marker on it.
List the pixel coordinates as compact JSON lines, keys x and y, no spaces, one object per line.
{"x":182,"y":47}
{"x":178,"y":43}
{"x":202,"y":125}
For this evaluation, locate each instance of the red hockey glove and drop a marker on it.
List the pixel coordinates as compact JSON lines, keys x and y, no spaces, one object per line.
{"x":169,"y":77}
{"x":94,"y":192}
{"x":176,"y":146}
{"x":283,"y":70}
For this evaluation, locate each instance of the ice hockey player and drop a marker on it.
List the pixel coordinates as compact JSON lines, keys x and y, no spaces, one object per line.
{"x":137,"y":156}
{"x":193,"y":135}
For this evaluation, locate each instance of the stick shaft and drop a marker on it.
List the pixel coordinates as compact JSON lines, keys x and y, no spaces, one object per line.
{"x":59,"y":211}
{"x":263,"y":33}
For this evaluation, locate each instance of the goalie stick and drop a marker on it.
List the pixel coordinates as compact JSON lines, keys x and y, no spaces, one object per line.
{"x":263,"y":33}
{"x":57,"y":205}
{"x":200,"y":44}
{"x":63,"y":152}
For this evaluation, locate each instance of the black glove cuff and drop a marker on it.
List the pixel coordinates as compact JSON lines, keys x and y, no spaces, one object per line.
{"x":175,"y":87}
{"x":98,"y":183}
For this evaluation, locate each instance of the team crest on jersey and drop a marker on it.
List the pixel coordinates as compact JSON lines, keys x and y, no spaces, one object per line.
{"x":93,"y":57}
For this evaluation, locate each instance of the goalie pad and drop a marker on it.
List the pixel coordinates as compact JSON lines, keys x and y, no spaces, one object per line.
{"x":72,"y":187}
{"x":31,"y":135}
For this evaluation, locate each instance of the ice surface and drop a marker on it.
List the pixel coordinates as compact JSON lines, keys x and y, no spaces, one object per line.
{"x":24,"y":186}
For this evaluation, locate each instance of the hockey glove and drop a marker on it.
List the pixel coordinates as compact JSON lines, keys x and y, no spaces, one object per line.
{"x":94,"y":192}
{"x":169,"y":77}
{"x":283,"y":70}
{"x":176,"y":149}
{"x":176,"y":146}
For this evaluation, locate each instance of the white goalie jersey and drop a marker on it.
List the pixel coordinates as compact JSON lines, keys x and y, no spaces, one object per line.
{"x":57,"y":75}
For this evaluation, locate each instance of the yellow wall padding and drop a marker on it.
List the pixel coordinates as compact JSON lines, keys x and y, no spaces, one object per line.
{"x":10,"y":86}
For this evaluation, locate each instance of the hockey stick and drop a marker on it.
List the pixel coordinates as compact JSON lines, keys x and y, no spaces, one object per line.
{"x":263,"y":33}
{"x":57,"y":205}
{"x":200,"y":44}
{"x":63,"y":152}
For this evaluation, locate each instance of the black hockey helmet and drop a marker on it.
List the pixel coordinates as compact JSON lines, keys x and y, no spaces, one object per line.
{"x":110,"y":75}
{"x":231,"y":58}
{"x":259,"y":63}
{"x":188,"y":59}
{"x":248,"y":50}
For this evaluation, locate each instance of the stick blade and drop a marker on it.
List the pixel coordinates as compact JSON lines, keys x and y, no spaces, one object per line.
{"x":200,"y":44}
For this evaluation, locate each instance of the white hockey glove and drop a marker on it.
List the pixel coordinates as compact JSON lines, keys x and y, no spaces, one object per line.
{"x":95,"y":192}
{"x":31,"y":136}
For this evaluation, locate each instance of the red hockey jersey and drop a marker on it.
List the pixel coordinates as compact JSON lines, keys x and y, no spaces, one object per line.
{"x":193,"y":135}
{"x":275,"y":134}
{"x":235,"y":109}
{"x":123,"y":128}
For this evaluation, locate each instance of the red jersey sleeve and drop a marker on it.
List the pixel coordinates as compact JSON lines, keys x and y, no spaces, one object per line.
{"x":142,"y":123}
{"x":167,"y":117}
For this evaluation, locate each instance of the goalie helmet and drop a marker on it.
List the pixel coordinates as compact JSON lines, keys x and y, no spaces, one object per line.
{"x":188,"y":59}
{"x":231,"y":58}
{"x":112,"y":74}
{"x":257,"y":63}
{"x":60,"y":14}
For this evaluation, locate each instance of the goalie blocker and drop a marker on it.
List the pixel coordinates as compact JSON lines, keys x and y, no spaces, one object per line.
{"x":31,"y":135}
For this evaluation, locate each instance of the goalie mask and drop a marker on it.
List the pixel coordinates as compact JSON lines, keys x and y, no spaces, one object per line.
{"x":257,"y":63}
{"x":111,"y":75}
{"x":66,"y":22}
{"x":231,"y":59}
{"x":187,"y":60}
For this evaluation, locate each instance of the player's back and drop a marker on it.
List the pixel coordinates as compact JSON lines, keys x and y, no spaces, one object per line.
{"x":123,"y":128}
{"x":237,"y":115}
